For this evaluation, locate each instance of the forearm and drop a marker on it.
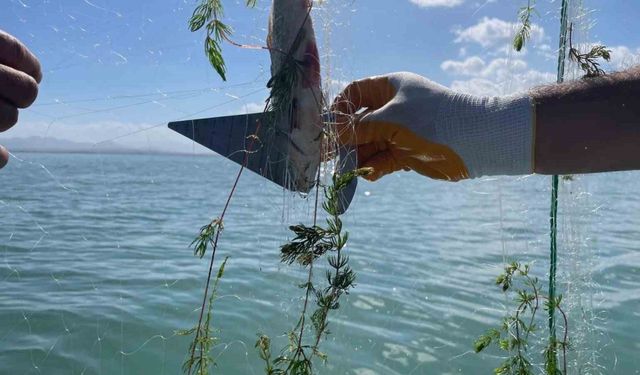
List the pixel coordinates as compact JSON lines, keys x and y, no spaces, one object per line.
{"x":588,"y":126}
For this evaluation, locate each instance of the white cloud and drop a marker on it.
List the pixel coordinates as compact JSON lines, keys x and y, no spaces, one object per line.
{"x":623,"y":57}
{"x":499,"y":76}
{"x":486,"y":75}
{"x":518,"y":82}
{"x":490,"y":32}
{"x":477,"y":67}
{"x":470,"y":66}
{"x":334,"y":87}
{"x":491,"y":73}
{"x":544,"y":47}
{"x":437,"y":3}
{"x":545,"y":50}
{"x":251,"y":108}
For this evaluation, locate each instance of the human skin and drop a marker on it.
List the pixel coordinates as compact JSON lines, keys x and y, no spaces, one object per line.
{"x":20,"y":74}
{"x":589,"y":125}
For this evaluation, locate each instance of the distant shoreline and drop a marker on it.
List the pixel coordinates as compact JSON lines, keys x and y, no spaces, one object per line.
{"x":110,"y":152}
{"x":52,"y":145}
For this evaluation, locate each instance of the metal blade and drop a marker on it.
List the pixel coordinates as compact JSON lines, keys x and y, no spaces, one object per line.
{"x":232,"y":136}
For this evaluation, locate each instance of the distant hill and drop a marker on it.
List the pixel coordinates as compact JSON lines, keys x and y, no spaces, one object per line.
{"x":42,"y":144}
{"x":50,"y":144}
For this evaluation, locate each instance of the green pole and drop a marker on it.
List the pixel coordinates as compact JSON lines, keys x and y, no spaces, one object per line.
{"x":562,"y":53}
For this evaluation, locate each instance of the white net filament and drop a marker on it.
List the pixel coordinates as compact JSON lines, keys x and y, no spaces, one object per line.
{"x":94,"y":261}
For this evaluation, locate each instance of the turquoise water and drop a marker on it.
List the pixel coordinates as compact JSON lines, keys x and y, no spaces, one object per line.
{"x":96,"y":273}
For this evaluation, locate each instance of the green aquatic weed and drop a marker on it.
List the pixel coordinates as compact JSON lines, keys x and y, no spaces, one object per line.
{"x":206,"y":237}
{"x":588,"y":62}
{"x":208,"y":14}
{"x":200,"y":359}
{"x":524,"y":30}
{"x":512,"y":336}
{"x":309,"y":244}
{"x":516,"y":345}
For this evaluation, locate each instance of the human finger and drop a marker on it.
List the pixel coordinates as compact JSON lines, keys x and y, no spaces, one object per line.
{"x":367,"y":150}
{"x":439,"y":170}
{"x":371,"y":127}
{"x":407,"y":145}
{"x":16,"y":87}
{"x":4,"y":156}
{"x":382,"y":163}
{"x":8,"y":115}
{"x":408,"y":151}
{"x":369,"y":93}
{"x":437,"y":161}
{"x":14,"y":54}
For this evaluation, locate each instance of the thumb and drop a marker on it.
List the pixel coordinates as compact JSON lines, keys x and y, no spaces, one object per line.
{"x":369,"y":93}
{"x":382,"y":163}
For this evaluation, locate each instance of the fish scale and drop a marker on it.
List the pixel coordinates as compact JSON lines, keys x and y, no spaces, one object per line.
{"x":291,"y":36}
{"x":289,"y":147}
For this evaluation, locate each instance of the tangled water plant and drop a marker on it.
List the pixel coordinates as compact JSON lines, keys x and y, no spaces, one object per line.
{"x":208,"y":14}
{"x":200,"y":359}
{"x":528,"y":298}
{"x":513,"y":335}
{"x":308,"y":245}
{"x":588,"y":62}
{"x":524,"y":30}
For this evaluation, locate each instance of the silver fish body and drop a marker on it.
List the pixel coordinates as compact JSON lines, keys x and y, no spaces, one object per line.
{"x":294,"y":50}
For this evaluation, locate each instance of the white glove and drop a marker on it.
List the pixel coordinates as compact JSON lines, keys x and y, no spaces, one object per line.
{"x":413,"y":123}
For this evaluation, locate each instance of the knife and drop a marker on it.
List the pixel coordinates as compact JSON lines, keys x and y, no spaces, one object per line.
{"x":266,"y":143}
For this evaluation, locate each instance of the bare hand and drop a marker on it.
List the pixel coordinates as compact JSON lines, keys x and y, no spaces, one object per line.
{"x":19,"y":77}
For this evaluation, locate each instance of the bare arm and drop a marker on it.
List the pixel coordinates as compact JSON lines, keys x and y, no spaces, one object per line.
{"x":588,"y":126}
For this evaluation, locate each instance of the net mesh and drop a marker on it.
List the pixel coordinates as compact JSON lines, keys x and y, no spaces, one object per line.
{"x":94,"y":260}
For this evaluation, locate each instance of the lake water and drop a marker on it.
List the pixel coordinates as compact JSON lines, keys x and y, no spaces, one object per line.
{"x":96,"y":274}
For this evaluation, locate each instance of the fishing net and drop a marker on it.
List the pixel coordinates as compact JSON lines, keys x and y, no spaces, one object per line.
{"x":95,"y":262}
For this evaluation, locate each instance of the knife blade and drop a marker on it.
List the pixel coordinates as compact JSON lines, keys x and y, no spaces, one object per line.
{"x":233,"y":136}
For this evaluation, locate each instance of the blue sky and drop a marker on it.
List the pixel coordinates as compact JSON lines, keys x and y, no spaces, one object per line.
{"x":116,"y":67}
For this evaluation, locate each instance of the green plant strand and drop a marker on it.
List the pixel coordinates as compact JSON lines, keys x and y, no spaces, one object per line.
{"x":200,"y":359}
{"x":309,"y":244}
{"x":524,"y":31}
{"x":512,"y":336}
{"x":208,"y":14}
{"x":208,"y":237}
{"x":588,"y":62}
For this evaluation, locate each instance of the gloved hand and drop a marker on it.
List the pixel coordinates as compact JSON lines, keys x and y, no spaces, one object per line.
{"x":19,"y":77}
{"x":412,"y":123}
